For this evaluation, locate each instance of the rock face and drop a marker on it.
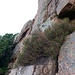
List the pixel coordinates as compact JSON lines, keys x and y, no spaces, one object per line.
{"x":46,"y":68}
{"x":19,"y":39}
{"x":48,"y":13}
{"x":66,"y":8}
{"x":24,"y":32}
{"x":46,"y":9}
{"x":65,"y":5}
{"x":53,"y":8}
{"x":67,"y":57}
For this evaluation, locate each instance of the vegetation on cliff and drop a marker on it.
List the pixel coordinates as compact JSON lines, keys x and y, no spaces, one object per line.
{"x":6,"y":43}
{"x":45,"y":44}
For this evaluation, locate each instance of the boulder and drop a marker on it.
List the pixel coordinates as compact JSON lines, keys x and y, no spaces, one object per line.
{"x":66,"y":60}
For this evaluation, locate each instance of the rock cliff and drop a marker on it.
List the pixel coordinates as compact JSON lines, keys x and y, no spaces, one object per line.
{"x":48,"y":12}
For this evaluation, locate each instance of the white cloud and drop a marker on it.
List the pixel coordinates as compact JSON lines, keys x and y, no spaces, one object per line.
{"x":15,"y":13}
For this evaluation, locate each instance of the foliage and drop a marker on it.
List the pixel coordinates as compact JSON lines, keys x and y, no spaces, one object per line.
{"x":45,"y":44}
{"x":6,"y":43}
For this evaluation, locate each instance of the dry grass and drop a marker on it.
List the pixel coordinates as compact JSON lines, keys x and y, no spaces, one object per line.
{"x":45,"y":44}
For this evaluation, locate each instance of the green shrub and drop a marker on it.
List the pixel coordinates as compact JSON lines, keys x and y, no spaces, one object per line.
{"x":45,"y":44}
{"x":6,"y":44}
{"x":3,"y":71}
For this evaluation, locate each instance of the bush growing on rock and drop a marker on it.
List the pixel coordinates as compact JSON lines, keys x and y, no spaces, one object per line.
{"x":45,"y":44}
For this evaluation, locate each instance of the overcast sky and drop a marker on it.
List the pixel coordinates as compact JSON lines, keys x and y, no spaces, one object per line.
{"x":15,"y":13}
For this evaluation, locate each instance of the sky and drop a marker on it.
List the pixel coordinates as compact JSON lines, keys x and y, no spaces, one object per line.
{"x":15,"y":13}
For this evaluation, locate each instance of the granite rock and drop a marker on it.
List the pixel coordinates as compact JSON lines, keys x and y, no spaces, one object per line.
{"x":46,"y":68}
{"x":66,"y":59}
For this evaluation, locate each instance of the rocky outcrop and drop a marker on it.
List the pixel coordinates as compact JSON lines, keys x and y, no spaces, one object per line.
{"x":48,"y":12}
{"x":65,"y":65}
{"x":66,"y":60}
{"x":65,"y":5}
{"x":46,"y":9}
{"x":52,"y":9}
{"x":66,"y":8}
{"x":24,"y":32}
{"x":46,"y":68}
{"x":19,"y":39}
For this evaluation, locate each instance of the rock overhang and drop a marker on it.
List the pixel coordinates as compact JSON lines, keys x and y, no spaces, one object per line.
{"x":66,"y":8}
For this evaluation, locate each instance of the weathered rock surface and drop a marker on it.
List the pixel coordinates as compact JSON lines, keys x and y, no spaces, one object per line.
{"x":46,"y":24}
{"x":47,"y":68}
{"x":66,"y":8}
{"x":53,"y":8}
{"x":66,"y":60}
{"x":48,"y":11}
{"x":19,"y":39}
{"x":25,"y":31}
